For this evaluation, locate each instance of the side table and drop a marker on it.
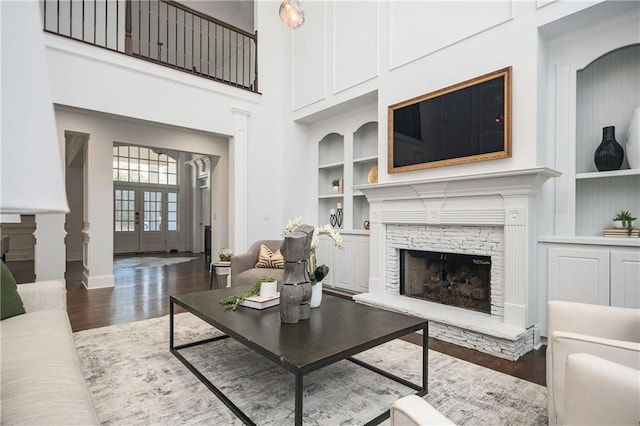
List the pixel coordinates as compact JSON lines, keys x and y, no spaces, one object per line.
{"x":217,"y":269}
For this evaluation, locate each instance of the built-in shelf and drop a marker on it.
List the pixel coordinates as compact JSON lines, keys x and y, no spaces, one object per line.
{"x":612,"y":173}
{"x":331,"y":166}
{"x":606,"y":93}
{"x":354,"y":231}
{"x":348,"y":155}
{"x":368,"y":159}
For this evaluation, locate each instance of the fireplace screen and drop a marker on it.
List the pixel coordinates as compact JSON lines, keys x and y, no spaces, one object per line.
{"x":448,"y":278}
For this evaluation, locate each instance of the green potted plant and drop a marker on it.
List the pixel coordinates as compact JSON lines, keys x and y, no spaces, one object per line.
{"x":623,"y":219}
{"x":336,"y":185}
{"x":232,"y":302}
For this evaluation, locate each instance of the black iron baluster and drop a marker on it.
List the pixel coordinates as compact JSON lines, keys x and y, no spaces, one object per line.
{"x":255,"y":70}
{"x":71,"y":19}
{"x":44,"y":8}
{"x":58,"y":18}
{"x":160,"y":44}
{"x":184,"y":40}
{"x":244,"y":61}
{"x":167,"y":12}
{"x":139,"y":27}
{"x":192,"y":42}
{"x":176,"y":31}
{"x":230,"y":48}
{"x":222,"y":56}
{"x":200,"y":46}
{"x":215,"y":52}
{"x":176,"y":55}
{"x":106,"y":24}
{"x":83,"y":15}
{"x":249,"y":81}
{"x":117,"y":21}
{"x":208,"y":48}
{"x":149,"y":29}
{"x":95,"y":20}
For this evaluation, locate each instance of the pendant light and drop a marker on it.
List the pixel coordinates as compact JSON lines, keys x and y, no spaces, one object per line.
{"x":292,"y":14}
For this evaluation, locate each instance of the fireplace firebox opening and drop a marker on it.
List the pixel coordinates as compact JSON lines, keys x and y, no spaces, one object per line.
{"x":452,"y":279}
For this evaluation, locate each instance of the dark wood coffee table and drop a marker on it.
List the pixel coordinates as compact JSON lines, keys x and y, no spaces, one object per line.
{"x":337,"y":330}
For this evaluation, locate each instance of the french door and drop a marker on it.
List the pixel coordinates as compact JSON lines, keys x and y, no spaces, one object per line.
{"x":145,"y":219}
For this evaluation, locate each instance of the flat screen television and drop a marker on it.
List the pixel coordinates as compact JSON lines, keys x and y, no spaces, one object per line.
{"x":466,"y":122}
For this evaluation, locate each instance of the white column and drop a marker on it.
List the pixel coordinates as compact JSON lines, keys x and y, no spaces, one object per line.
{"x":565,"y":157}
{"x":195,"y":203}
{"x":378,"y":255}
{"x":519,"y":253}
{"x":238,"y":191}
{"x":98,"y":215}
{"x":50,"y":254}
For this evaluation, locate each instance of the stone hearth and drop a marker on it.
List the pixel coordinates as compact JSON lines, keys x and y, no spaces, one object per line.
{"x":487,"y":214}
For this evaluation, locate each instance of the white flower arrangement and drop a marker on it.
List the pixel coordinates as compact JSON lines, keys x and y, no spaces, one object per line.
{"x":316,"y":273}
{"x":225,"y":254}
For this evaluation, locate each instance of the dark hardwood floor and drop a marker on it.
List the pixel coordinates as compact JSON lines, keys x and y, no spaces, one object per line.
{"x":144,"y":293}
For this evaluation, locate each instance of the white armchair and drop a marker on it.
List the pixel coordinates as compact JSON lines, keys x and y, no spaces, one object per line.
{"x":601,"y":392}
{"x":609,"y":333}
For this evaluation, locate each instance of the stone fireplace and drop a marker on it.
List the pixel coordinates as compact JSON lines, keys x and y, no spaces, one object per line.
{"x":461,"y":280}
{"x":490,"y":217}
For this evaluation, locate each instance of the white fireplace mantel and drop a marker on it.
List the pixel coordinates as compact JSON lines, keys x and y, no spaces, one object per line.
{"x":505,"y":199}
{"x":505,"y":183}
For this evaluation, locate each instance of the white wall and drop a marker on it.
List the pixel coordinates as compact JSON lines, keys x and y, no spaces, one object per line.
{"x":103,"y":130}
{"x":421,"y":47}
{"x":98,"y":80}
{"x":308,"y":73}
{"x":279,"y":153}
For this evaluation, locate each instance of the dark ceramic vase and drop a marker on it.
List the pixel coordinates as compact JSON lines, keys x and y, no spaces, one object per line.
{"x":609,"y":154}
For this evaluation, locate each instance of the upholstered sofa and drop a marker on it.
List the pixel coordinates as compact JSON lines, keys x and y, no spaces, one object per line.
{"x":40,"y":378}
{"x":243,"y":266}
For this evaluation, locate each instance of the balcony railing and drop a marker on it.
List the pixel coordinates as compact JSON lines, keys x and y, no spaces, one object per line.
{"x":163,"y":32}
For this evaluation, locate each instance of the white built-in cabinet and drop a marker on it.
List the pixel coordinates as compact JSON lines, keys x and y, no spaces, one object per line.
{"x":349,"y":267}
{"x":594,"y":82}
{"x":600,"y":275}
{"x":347,"y":149}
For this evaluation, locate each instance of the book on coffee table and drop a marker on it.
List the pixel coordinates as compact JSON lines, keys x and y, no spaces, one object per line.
{"x":258,"y":302}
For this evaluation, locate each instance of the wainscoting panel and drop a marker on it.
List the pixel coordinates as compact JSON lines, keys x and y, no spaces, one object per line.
{"x":355,"y":43}
{"x":418,"y":29}
{"x":309,"y":61}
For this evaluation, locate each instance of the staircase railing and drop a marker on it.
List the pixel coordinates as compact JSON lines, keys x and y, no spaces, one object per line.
{"x":163,"y":32}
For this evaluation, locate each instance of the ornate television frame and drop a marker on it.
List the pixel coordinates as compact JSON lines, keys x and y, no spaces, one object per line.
{"x":506,"y":120}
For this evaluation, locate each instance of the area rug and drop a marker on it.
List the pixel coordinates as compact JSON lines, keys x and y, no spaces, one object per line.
{"x":135,"y":380}
{"x":148,"y":262}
